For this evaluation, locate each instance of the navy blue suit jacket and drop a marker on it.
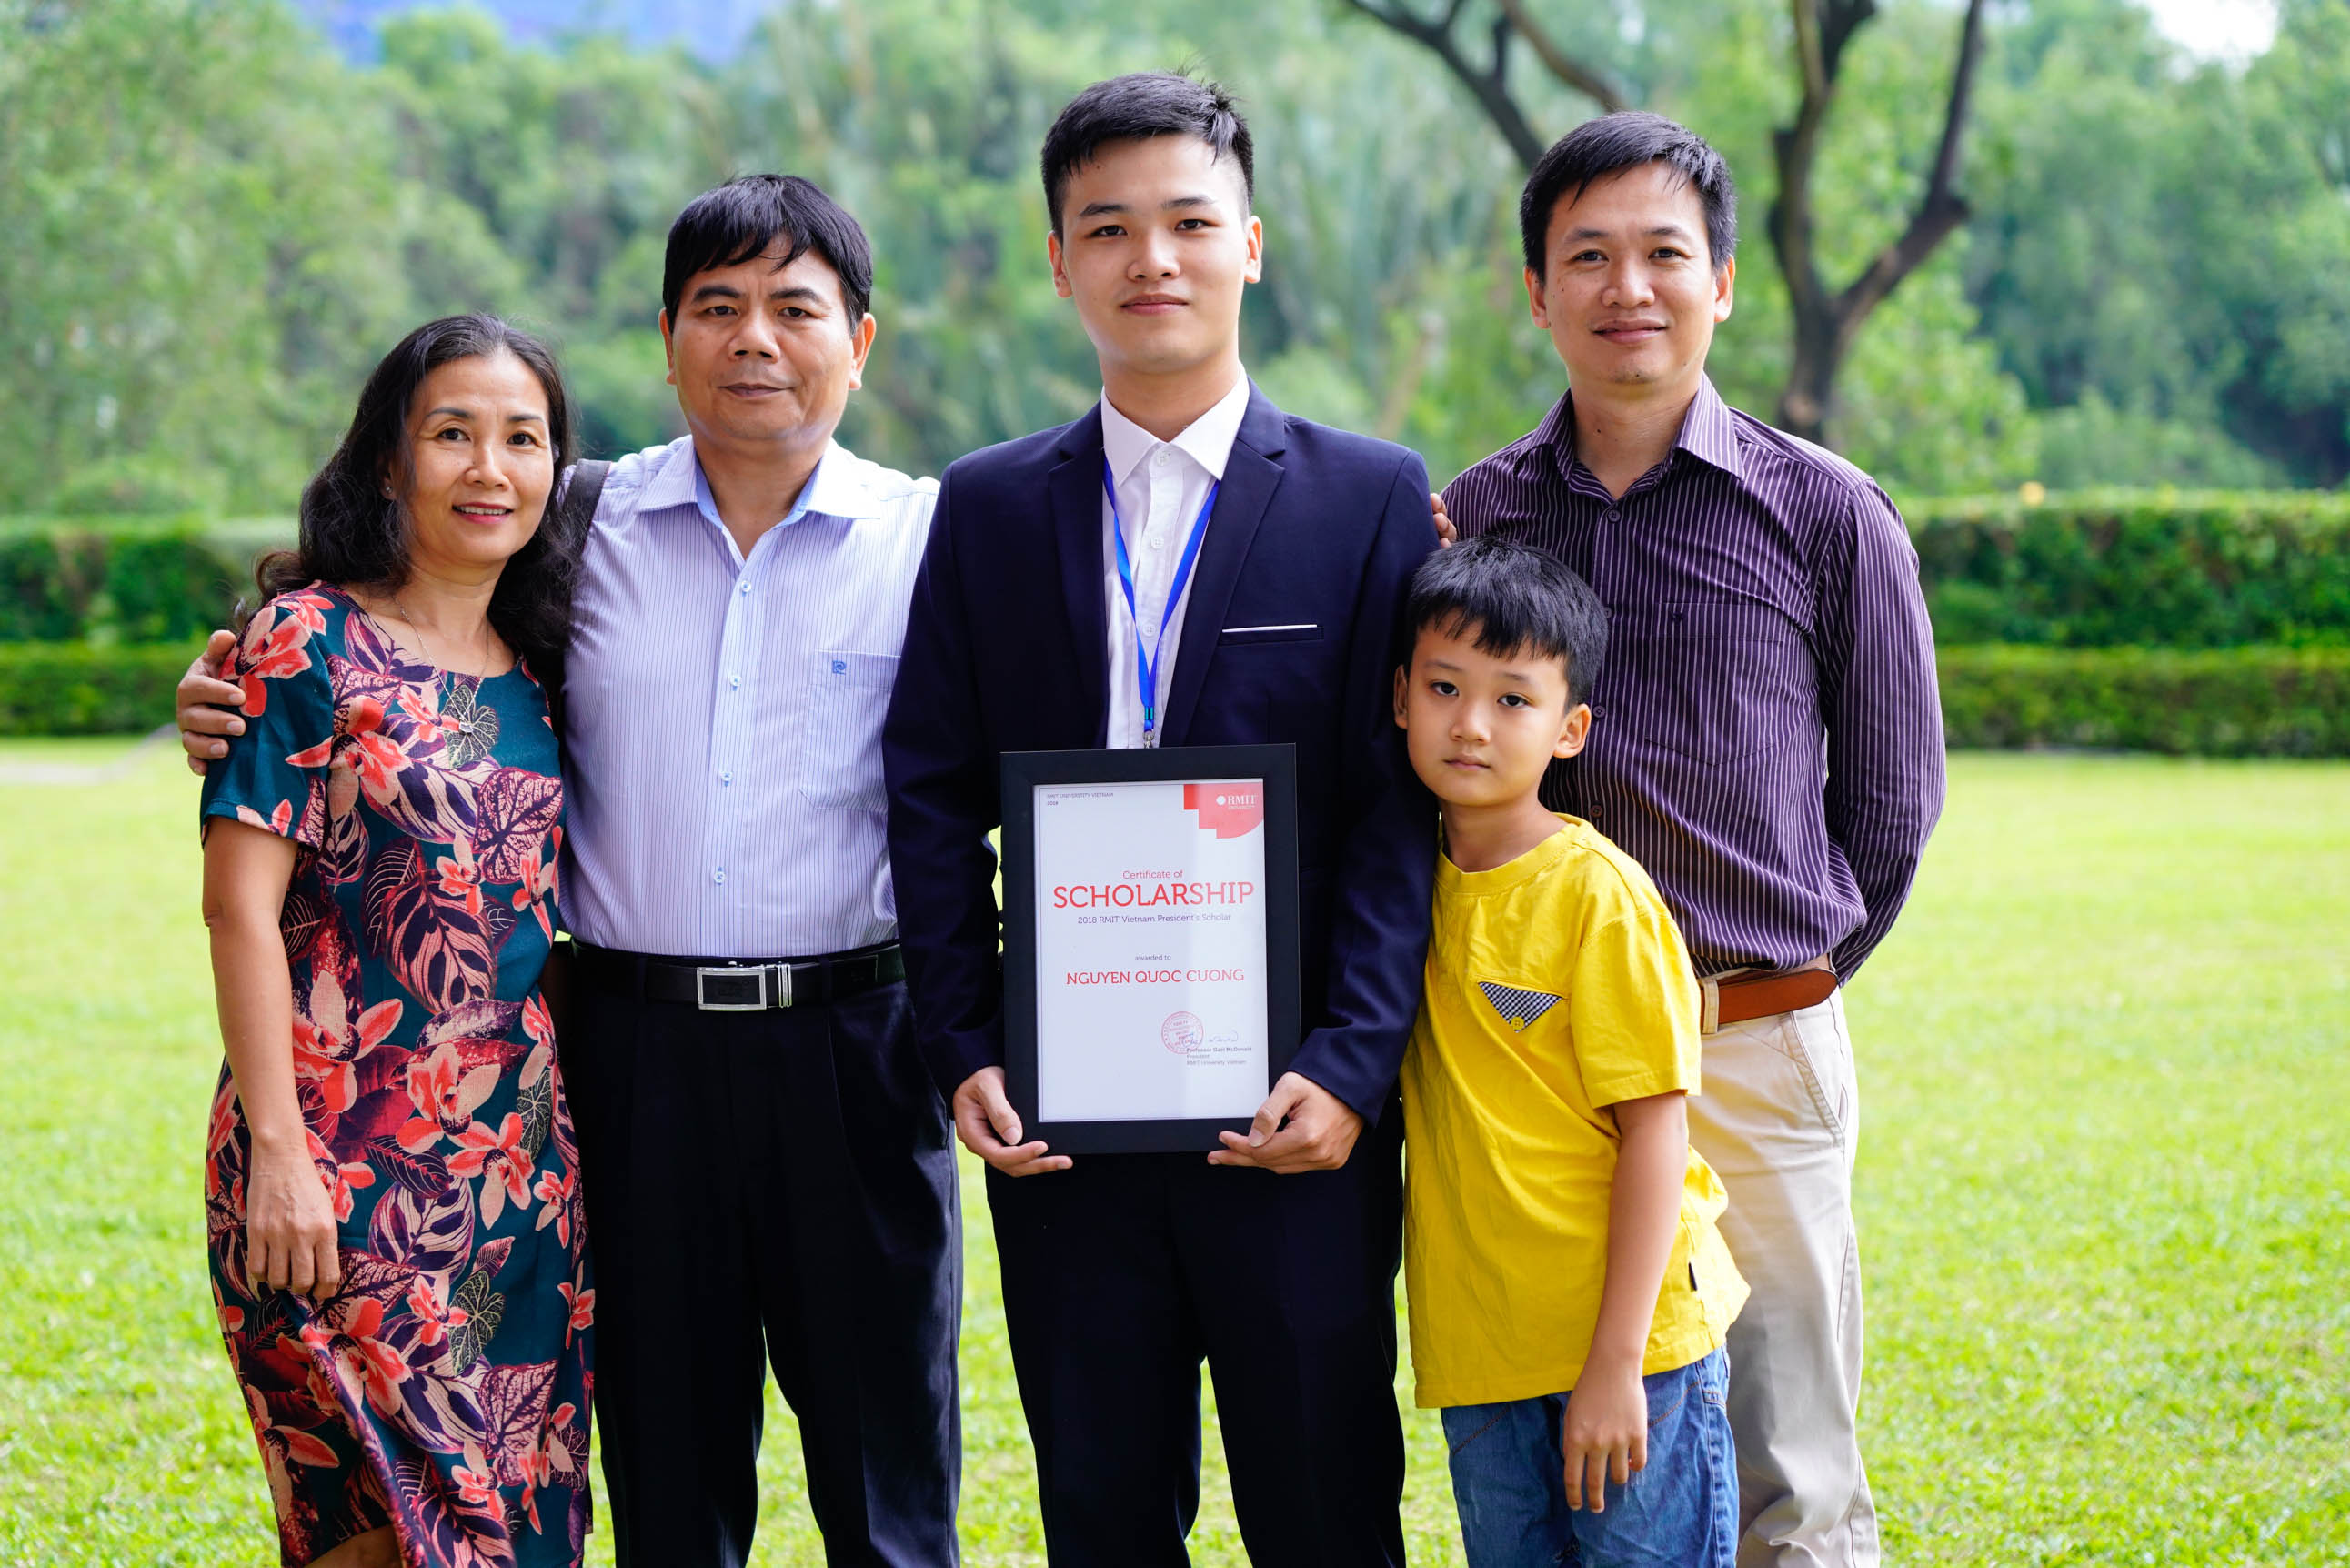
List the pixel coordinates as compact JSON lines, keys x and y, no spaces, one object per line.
{"x":1007,"y":650}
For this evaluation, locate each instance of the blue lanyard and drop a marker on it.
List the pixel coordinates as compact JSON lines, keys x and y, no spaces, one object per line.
{"x":1145,"y":663}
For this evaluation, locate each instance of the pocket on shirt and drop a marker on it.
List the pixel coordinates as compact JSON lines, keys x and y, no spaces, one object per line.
{"x":1719,"y":682}
{"x":840,"y":744}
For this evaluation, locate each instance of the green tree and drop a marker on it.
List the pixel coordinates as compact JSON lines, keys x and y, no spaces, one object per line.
{"x":2165,"y":248}
{"x":205,"y":245}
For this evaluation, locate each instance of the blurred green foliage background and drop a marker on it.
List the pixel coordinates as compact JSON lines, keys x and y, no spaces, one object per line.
{"x":215,"y":221}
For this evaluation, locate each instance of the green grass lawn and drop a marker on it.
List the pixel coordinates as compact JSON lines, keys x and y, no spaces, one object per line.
{"x":2105,"y":1186}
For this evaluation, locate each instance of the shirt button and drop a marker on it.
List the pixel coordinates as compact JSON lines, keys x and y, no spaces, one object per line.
{"x":746,"y":588}
{"x":719,"y":875}
{"x":734,"y":683}
{"x":1159,"y":458}
{"x":726,"y":778}
{"x":1155,"y":540}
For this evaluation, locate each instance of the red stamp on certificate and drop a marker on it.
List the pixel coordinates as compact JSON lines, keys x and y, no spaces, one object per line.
{"x":1182,"y":1032}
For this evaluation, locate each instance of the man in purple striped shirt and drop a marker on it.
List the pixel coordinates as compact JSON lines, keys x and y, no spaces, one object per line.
{"x":1769,"y":747}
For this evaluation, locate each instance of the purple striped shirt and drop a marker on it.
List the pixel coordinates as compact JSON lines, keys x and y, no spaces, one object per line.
{"x":1768,"y":741}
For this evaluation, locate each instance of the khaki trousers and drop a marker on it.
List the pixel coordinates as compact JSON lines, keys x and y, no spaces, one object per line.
{"x":1779,"y":1120}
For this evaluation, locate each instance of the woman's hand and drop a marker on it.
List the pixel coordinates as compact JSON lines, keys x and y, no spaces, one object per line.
{"x":290,"y":1225}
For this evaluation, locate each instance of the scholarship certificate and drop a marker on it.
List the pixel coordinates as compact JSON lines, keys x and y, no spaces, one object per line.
{"x":1151,"y":974}
{"x":1150,"y":951}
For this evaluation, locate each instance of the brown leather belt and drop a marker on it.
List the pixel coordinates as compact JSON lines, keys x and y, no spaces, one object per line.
{"x":1759,"y":993}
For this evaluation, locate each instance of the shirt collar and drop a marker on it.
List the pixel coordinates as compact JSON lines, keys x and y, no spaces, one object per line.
{"x":836,"y":489}
{"x":1707,"y":431}
{"x":1206,"y":440}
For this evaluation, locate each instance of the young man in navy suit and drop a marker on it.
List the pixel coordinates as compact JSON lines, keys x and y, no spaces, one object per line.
{"x":1273,"y":1258}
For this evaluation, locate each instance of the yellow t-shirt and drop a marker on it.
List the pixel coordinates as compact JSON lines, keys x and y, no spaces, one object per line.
{"x":1557,"y":986}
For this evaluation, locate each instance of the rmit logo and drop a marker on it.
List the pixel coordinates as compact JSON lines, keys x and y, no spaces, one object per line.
{"x":1230,"y":809}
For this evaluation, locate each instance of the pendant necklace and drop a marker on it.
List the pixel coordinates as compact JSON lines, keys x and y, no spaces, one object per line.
{"x":468,"y":730}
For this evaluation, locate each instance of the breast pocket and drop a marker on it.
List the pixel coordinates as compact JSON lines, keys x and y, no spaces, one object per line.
{"x":841,"y":745}
{"x":1258,"y":636}
{"x":1712,"y":682}
{"x":1272,"y":680}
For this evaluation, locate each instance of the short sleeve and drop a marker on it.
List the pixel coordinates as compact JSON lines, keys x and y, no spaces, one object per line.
{"x":275,"y":775}
{"x":1634,"y":1007}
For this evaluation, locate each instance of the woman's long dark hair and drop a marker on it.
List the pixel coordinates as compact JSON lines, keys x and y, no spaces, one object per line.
{"x":352,"y":536}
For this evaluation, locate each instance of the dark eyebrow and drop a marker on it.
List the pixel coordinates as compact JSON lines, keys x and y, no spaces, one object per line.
{"x":1511,"y":677}
{"x":468,"y":414}
{"x":1661,"y":231}
{"x":1178,"y":203}
{"x":715,"y":291}
{"x":798,"y":291}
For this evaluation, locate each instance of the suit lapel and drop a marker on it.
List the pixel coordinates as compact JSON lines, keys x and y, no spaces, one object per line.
{"x":1075,"y":488}
{"x":1251,"y":477}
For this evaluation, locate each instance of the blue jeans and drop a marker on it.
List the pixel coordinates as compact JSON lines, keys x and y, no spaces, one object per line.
{"x":1509,"y":1477}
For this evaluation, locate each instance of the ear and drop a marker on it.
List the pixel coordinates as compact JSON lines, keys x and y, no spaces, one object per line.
{"x":668,"y":348}
{"x":860,"y":344}
{"x":1402,"y":684}
{"x":1534,"y":299}
{"x":1054,"y":253}
{"x":1574,"y":731}
{"x":1725,"y":288}
{"x":1254,"y":271}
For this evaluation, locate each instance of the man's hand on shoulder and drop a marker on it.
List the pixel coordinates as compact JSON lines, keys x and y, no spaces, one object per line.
{"x":990,"y":1127}
{"x":1301,"y":1126}
{"x":208,"y":705}
{"x":1446,"y":534}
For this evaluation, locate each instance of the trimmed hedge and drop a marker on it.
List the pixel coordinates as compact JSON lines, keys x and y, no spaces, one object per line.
{"x":123,"y":579}
{"x":2143,"y":567}
{"x":2091,"y":569}
{"x":83,"y":689}
{"x":2242,"y":702}
{"x":2226,"y":702}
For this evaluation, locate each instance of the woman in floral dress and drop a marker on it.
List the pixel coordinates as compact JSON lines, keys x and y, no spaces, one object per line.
{"x":391,"y":1182}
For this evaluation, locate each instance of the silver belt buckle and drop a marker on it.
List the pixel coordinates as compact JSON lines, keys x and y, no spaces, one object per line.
{"x":734,"y":975}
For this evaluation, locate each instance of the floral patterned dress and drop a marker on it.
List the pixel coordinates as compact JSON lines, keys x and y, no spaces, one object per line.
{"x":444,"y":1390}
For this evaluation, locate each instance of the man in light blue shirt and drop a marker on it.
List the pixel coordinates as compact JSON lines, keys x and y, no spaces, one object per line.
{"x":765,"y":1160}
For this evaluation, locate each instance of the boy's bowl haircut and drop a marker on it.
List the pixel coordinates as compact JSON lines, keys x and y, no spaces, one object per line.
{"x":1517,"y":598}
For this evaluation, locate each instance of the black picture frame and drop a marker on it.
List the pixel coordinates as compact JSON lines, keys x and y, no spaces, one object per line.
{"x":1023,"y":772}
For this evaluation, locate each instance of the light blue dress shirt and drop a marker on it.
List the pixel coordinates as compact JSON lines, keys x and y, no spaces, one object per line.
{"x":723,"y":743}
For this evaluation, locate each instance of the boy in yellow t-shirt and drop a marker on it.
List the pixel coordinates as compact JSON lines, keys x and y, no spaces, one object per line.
{"x":1569,"y":1292}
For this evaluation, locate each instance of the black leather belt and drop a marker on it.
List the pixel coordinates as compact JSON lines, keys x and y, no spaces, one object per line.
{"x":739,"y":985}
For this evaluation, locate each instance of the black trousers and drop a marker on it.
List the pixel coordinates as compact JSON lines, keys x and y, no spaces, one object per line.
{"x":1124,"y":1272}
{"x":770,"y":1188}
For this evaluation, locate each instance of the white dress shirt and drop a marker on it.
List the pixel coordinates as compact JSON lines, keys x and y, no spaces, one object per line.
{"x":1160,"y":487}
{"x":723,"y":743}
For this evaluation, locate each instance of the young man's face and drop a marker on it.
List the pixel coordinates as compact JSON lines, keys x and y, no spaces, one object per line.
{"x":1156,"y":244}
{"x":762,"y":355}
{"x":1482,"y":727}
{"x":1630,"y":295}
